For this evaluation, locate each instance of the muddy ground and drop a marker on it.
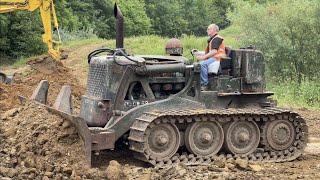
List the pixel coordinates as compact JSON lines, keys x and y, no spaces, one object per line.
{"x":36,"y":144}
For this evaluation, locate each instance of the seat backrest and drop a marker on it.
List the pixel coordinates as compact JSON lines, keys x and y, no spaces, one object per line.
{"x":226,"y":63}
{"x":228,"y":51}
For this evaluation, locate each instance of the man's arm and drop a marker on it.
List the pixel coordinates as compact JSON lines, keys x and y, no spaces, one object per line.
{"x":208,"y":55}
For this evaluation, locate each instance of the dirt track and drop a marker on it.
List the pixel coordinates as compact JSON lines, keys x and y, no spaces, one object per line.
{"x":35,"y":144}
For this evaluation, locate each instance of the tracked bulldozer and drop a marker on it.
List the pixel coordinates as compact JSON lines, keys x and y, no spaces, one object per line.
{"x":155,"y":105}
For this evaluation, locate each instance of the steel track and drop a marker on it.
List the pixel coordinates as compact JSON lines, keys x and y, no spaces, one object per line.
{"x":186,"y":116}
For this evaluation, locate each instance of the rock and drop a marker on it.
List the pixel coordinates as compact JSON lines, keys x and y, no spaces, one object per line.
{"x":10,"y":132}
{"x":67,"y":170}
{"x":214,"y":176}
{"x":5,"y":178}
{"x":214,"y":168}
{"x":13,"y":151}
{"x":231,"y":160}
{"x":230,"y":166}
{"x":255,"y":167}
{"x":114,"y":171}
{"x":48,"y":174}
{"x":70,"y":131}
{"x":226,"y":175}
{"x":219,"y":163}
{"x":181,"y":169}
{"x":8,"y":172}
{"x":10,"y":113}
{"x":42,"y":140}
{"x":31,"y":176}
{"x":241,"y":163}
{"x":66,"y":124}
{"x":30,"y":162}
{"x":146,"y":176}
{"x":169,"y":172}
{"x":45,"y":178}
{"x":48,"y":167}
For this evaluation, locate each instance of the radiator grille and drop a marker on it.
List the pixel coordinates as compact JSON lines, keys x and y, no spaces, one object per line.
{"x":96,"y":80}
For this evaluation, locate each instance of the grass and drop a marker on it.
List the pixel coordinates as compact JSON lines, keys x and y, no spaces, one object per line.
{"x":82,"y":42}
{"x":156,"y":45}
{"x":307,"y":94}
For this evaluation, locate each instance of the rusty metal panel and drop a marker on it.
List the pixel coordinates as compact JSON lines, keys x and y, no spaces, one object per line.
{"x":254,"y":87}
{"x":228,"y":85}
{"x":103,"y":140}
{"x":95,"y":111}
{"x":236,"y":56}
{"x":252,"y":66}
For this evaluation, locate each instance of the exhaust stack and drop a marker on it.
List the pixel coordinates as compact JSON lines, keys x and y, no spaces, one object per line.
{"x":119,"y":26}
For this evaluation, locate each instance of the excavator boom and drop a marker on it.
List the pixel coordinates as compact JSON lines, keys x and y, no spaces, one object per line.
{"x":48,"y":17}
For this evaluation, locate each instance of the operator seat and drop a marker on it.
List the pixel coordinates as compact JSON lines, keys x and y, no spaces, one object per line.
{"x":226,"y":63}
{"x":222,"y":67}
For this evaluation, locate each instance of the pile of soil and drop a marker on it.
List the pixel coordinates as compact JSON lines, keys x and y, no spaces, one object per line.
{"x":36,"y":143}
{"x":25,"y":82}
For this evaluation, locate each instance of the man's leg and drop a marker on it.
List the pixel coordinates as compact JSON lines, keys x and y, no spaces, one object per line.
{"x":204,"y":71}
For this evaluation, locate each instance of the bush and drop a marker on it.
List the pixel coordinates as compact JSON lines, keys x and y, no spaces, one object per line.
{"x":76,"y":35}
{"x":288,"y":33}
{"x":306,"y":94}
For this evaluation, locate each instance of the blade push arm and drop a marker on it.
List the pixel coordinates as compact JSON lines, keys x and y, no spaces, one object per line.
{"x":48,"y":17}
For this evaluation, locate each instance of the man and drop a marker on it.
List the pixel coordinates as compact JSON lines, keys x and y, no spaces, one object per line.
{"x":214,"y":51}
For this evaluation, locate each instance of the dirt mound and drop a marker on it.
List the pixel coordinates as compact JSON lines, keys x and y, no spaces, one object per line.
{"x":312,"y":118}
{"x":46,"y":65}
{"x":26,"y":81}
{"x":36,"y":143}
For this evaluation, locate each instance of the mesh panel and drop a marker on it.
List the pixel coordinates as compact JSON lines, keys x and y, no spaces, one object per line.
{"x":96,"y":80}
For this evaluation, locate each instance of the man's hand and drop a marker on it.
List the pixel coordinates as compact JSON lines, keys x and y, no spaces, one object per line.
{"x":201,"y":57}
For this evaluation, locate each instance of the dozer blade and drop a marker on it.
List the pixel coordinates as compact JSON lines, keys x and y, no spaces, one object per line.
{"x":81,"y":127}
{"x":63,"y":108}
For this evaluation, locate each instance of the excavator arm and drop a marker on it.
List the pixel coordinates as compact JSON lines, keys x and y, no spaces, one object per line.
{"x":48,"y":16}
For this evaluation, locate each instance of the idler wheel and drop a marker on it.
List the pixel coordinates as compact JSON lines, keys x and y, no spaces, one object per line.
{"x":280,"y":134}
{"x":204,"y":138}
{"x":242,"y":137}
{"x":163,"y":141}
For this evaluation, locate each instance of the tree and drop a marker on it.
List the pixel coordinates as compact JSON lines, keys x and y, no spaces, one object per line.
{"x":136,"y":20}
{"x":166,"y":17}
{"x":289,"y":39}
{"x":21,"y":34}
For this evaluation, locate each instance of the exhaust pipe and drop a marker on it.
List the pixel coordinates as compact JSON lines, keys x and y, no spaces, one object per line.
{"x":119,"y":26}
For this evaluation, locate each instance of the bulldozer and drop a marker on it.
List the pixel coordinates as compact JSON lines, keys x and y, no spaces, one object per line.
{"x":154,"y":104}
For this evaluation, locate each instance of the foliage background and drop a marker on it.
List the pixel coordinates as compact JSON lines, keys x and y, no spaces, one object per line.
{"x":21,"y":31}
{"x":286,"y":31}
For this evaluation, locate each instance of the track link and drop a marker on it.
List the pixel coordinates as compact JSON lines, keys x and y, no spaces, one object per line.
{"x":261,"y":116}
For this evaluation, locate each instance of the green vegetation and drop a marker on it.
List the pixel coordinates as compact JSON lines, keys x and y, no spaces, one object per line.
{"x":286,"y":31}
{"x":306,"y":94}
{"x":82,"y":42}
{"x":20,"y":32}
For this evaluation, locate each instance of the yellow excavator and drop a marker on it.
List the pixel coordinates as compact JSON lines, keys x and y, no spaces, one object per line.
{"x":48,"y":16}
